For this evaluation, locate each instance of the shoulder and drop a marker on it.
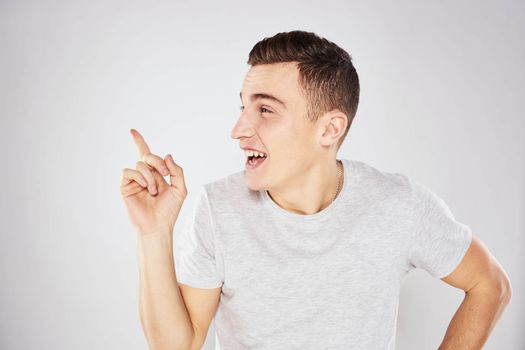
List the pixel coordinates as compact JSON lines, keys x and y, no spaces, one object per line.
{"x":400,"y":186}
{"x":373,"y":180}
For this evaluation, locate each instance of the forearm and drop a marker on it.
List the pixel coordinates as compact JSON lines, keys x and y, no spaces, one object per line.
{"x":474,"y":320}
{"x":163,"y":314}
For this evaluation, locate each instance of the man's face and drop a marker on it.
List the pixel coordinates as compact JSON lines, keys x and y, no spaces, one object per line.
{"x":279,"y":130}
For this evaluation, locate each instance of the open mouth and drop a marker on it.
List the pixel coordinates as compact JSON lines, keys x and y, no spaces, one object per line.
{"x":253,"y":162}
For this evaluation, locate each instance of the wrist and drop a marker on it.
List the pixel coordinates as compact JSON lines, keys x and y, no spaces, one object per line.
{"x":155,"y":231}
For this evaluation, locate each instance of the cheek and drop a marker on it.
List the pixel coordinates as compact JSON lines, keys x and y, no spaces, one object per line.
{"x":288,"y":131}
{"x":272,"y":133}
{"x":282,"y":139}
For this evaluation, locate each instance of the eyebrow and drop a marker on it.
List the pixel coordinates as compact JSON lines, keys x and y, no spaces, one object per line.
{"x":266,"y":96}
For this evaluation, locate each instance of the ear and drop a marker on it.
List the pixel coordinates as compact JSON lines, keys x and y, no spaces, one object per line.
{"x":332,"y":127}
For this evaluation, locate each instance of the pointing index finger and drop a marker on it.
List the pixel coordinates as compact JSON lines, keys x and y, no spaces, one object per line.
{"x":139,"y":141}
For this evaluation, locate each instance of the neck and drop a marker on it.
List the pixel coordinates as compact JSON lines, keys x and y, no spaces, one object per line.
{"x":312,"y":190}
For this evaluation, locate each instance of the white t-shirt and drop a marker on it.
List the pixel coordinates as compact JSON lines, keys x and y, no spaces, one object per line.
{"x":330,"y":280}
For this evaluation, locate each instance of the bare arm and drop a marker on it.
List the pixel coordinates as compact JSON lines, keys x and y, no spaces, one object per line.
{"x":487,"y":293}
{"x":173,"y":316}
{"x":475,"y":318}
{"x":163,"y":313}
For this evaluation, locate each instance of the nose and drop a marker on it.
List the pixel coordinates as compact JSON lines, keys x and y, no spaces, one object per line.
{"x":242,"y":128}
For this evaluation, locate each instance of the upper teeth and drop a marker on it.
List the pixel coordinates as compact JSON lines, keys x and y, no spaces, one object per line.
{"x":254,"y":153}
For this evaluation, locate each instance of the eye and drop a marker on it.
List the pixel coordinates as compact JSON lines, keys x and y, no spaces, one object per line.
{"x":262,"y":109}
{"x":265,"y":109}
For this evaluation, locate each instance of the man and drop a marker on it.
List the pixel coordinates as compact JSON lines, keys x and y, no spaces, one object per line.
{"x":301,"y":250}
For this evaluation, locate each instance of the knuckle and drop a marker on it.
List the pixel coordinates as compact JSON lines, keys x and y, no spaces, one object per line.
{"x":143,"y":167}
{"x":149,"y":174}
{"x":146,"y":173}
{"x":151,"y":158}
{"x":161,"y":164}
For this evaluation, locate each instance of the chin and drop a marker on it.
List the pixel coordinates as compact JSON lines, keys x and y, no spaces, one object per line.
{"x":253,"y":184}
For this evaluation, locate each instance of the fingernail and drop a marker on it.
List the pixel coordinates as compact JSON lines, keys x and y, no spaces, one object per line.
{"x":153,"y":189}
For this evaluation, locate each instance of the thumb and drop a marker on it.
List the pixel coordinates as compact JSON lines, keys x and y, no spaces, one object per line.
{"x":159,"y":179}
{"x":176,"y":173}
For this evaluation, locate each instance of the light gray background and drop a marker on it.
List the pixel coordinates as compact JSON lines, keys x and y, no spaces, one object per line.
{"x":441,"y":101}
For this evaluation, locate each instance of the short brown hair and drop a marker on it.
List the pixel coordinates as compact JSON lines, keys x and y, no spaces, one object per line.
{"x":327,"y":76}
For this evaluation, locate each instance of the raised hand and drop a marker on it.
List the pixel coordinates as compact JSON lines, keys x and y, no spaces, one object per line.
{"x":152,"y":204}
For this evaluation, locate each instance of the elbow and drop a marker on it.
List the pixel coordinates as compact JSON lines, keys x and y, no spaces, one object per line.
{"x":503,"y":289}
{"x":506,"y":290}
{"x":497,"y":288}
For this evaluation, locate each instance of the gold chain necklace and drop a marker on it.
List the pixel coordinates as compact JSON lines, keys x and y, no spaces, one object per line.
{"x":339,"y":171}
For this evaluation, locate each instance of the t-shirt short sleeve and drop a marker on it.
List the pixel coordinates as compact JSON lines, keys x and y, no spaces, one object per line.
{"x":195,"y":253}
{"x":439,"y":241}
